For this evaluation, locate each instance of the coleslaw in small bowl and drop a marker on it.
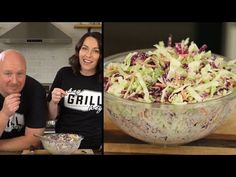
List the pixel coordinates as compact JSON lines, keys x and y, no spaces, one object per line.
{"x":61,"y":143}
{"x":170,"y":94}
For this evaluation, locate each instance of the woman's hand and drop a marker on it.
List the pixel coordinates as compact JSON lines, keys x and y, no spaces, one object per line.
{"x":57,"y":95}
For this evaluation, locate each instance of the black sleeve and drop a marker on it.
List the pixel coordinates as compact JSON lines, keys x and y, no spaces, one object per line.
{"x":36,"y":104}
{"x":56,"y":83}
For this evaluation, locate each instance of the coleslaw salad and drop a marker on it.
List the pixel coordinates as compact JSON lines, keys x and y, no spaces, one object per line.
{"x":169,"y":95}
{"x":178,"y":74}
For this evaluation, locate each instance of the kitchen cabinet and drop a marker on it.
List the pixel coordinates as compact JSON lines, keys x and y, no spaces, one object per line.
{"x":89,"y":26}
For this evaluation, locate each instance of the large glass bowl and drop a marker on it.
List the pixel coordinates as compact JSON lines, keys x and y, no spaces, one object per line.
{"x":61,"y":143}
{"x":166,"y":124}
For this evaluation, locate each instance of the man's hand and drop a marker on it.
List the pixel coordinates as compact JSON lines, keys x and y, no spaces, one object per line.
{"x":11,"y":104}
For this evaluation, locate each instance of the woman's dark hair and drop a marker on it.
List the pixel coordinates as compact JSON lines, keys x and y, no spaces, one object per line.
{"x":74,"y":60}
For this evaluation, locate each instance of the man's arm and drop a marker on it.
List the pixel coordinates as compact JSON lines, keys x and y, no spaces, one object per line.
{"x":10,"y":105}
{"x":23,"y":142}
{"x":3,"y":122}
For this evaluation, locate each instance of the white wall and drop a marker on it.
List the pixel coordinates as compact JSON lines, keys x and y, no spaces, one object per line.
{"x":44,"y":60}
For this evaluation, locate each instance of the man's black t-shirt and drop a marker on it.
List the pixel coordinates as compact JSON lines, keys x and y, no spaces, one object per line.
{"x":81,"y":109}
{"x":32,"y":112}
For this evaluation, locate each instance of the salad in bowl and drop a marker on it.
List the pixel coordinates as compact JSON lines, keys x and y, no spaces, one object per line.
{"x":172,"y":94}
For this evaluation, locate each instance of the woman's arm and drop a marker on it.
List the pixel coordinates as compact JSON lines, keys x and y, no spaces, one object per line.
{"x":53,"y":108}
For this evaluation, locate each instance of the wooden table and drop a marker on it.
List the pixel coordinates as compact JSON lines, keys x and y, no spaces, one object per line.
{"x":45,"y":152}
{"x":220,"y":142}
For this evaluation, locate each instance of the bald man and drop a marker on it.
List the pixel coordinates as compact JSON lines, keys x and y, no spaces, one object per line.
{"x":23,"y":107}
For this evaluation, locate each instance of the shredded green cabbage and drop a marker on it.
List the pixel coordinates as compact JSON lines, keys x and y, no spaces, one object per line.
{"x":174,"y":75}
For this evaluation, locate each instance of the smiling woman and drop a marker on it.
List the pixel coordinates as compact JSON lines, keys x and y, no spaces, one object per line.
{"x":75,"y":98}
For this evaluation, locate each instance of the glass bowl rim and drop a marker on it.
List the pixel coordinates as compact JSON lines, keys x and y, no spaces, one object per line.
{"x":55,"y":140}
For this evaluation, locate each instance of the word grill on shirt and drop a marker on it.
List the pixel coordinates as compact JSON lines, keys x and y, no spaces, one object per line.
{"x":83,"y":100}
